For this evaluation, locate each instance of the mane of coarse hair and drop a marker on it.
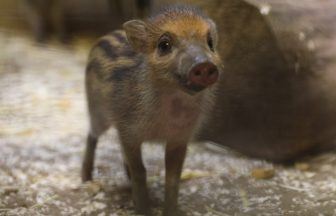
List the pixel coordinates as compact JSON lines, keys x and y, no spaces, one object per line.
{"x":170,"y":13}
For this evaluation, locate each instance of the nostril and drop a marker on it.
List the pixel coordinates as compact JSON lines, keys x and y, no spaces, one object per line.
{"x":197,"y":73}
{"x":203,"y":74}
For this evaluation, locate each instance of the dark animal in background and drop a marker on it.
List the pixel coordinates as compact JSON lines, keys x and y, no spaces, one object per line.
{"x":45,"y":16}
{"x":154,"y":81}
{"x":130,"y":8}
{"x":60,"y":17}
{"x":277,"y":101}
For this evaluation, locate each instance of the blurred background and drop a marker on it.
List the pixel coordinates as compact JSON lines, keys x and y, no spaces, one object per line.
{"x":63,"y":18}
{"x":284,"y":50}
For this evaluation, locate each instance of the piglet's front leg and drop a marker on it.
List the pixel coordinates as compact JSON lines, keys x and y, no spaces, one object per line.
{"x":133,"y":162}
{"x":175,"y":154}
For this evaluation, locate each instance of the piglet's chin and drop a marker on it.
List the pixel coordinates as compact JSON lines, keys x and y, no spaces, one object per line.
{"x":192,"y":89}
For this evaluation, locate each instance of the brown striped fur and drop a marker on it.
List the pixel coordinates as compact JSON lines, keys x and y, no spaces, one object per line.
{"x":142,"y":92}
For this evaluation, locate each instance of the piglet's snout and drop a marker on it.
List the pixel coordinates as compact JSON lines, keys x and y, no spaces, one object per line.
{"x":203,"y":74}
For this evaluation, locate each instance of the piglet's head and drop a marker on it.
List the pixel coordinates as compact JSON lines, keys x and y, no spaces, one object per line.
{"x":179,"y":46}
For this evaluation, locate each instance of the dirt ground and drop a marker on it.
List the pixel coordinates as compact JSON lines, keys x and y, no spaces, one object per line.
{"x":43,"y":125}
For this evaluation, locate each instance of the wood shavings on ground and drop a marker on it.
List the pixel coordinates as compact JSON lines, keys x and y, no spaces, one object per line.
{"x":263,"y":173}
{"x":302,"y":166}
{"x":43,"y":124}
{"x":193,"y":174}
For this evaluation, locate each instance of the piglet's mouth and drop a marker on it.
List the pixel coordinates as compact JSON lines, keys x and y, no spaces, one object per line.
{"x":187,"y":86}
{"x":192,"y":89}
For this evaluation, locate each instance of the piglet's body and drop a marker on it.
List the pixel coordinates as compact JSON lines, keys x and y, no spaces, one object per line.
{"x":154,"y":81}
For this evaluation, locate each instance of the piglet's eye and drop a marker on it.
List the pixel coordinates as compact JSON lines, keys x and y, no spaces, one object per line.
{"x":164,"y":45}
{"x":210,"y":42}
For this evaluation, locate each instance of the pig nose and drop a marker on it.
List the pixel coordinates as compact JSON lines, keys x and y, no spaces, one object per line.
{"x":203,"y":74}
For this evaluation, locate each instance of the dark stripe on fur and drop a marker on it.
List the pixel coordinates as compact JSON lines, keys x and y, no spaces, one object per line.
{"x":93,"y":65}
{"x":121,"y":38}
{"x":96,"y":67}
{"x":113,"y":52}
{"x":123,"y":72}
{"x":128,"y":52}
{"x":109,"y":50}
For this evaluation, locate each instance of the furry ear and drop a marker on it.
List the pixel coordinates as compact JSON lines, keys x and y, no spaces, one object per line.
{"x":213,"y":32}
{"x":137,"y":34}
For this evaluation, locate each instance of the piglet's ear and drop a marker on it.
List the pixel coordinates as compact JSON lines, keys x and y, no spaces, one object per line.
{"x":213,"y":32}
{"x":137,"y":34}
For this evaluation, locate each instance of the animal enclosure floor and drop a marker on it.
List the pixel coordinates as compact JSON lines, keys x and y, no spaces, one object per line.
{"x":43,"y":126}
